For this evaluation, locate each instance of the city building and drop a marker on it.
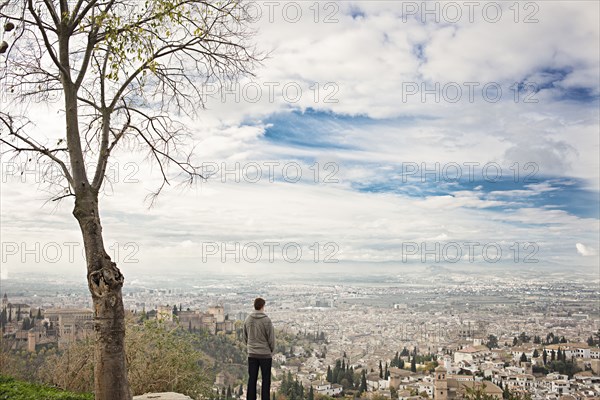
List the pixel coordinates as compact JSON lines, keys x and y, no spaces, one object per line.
{"x":70,"y":324}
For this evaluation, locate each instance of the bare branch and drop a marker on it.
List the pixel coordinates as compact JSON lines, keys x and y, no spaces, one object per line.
{"x":52,"y":12}
{"x":104,"y":152}
{"x":87,"y":57}
{"x":59,"y":198}
{"x":14,"y":131}
{"x":49,"y":47}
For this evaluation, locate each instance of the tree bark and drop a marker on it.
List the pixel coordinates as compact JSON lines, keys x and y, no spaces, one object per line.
{"x":105,"y":282}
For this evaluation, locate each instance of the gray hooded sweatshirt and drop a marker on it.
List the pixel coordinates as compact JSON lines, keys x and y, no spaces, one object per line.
{"x":259,"y":335}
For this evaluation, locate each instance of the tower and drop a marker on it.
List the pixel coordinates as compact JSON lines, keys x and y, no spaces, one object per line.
{"x":4,"y":301}
{"x":440,"y":384}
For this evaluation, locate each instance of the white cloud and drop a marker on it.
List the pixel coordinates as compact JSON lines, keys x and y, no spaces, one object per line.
{"x":585,"y":251}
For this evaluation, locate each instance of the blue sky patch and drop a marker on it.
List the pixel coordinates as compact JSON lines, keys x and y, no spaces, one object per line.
{"x":569,"y":195}
{"x":312,"y":129}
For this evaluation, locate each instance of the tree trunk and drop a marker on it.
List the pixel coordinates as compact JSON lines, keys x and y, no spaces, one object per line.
{"x":104,"y":278}
{"x":105,"y":282}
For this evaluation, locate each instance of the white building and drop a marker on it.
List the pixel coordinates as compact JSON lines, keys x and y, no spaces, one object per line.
{"x":560,"y":387}
{"x":471,"y":354}
{"x":328,"y":389}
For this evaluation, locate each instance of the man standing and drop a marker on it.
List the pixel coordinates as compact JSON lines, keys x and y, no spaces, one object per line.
{"x":259,"y":336}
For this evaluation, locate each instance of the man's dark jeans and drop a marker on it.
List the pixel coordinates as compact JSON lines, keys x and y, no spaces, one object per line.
{"x":265,"y":370}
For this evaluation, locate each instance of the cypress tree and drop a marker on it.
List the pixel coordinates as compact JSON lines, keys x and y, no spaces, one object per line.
{"x":363,"y":381}
{"x":336,"y":371}
{"x":340,"y":376}
{"x":350,"y":376}
{"x":284,"y":384}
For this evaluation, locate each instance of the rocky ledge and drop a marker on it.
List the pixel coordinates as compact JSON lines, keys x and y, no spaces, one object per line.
{"x":162,"y":396}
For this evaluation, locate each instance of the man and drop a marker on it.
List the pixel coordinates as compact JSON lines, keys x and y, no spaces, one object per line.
{"x":259,"y":336}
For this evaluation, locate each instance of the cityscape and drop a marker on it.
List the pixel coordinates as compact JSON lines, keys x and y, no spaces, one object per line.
{"x":463,"y":329}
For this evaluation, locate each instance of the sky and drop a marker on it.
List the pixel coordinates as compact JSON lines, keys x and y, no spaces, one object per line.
{"x":377,"y":134}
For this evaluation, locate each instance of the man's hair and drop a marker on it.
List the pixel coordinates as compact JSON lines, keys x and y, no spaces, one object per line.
{"x":259,"y":303}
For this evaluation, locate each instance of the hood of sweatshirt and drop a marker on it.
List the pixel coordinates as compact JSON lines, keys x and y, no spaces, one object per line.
{"x":258,"y":314}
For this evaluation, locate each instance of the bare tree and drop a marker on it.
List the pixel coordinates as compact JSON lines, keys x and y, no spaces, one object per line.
{"x":122,"y":69}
